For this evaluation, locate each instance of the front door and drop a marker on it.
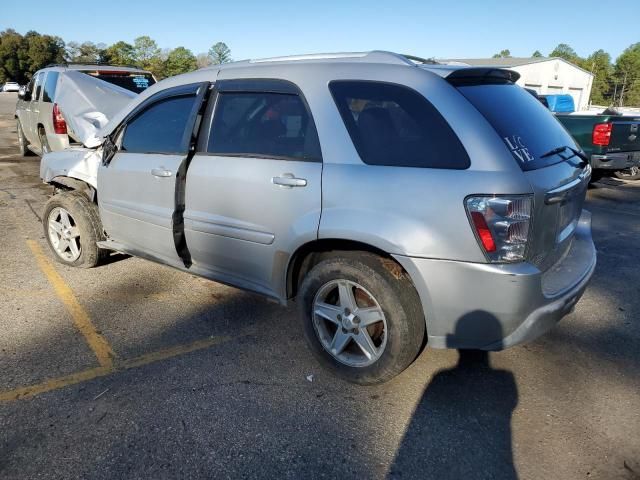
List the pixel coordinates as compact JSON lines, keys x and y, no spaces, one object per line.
{"x":137,"y":184}
{"x":253,"y":190}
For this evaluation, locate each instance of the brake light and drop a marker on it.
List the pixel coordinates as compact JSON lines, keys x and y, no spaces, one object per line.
{"x":501,"y":224}
{"x":602,"y":134}
{"x":59,"y":125}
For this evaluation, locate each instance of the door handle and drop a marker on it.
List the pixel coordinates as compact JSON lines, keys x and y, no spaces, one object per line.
{"x":161,"y":172}
{"x":288,"y":180}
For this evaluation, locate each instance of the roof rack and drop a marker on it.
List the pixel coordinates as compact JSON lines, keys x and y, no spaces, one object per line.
{"x":93,"y":64}
{"x":374,"y":56}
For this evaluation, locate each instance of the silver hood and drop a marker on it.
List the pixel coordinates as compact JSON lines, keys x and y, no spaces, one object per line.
{"x":88,"y":103}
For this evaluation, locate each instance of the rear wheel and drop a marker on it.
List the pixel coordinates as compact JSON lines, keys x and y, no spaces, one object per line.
{"x":72,"y":228}
{"x":632,"y":173}
{"x":362,"y":319}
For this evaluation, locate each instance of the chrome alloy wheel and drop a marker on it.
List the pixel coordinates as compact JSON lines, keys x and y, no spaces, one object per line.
{"x":350,"y":323}
{"x":64,"y":234}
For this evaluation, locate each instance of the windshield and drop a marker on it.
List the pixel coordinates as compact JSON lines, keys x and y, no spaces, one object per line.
{"x":133,"y":81}
{"x":526,"y":127}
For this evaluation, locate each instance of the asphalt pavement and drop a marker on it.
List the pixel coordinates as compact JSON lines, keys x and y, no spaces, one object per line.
{"x":135,"y":370}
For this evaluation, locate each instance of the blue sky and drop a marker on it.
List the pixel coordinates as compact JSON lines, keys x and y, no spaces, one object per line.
{"x":253,"y":29}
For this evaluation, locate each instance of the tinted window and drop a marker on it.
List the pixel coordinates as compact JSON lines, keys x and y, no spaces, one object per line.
{"x":160,"y":128}
{"x":134,"y":82}
{"x":39,"y":79}
{"x":50,"y":87}
{"x":263,"y":125}
{"x":393,"y":125}
{"x":528,"y":129}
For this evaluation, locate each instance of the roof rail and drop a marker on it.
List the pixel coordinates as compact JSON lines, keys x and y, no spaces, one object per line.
{"x":93,"y":64}
{"x":374,"y":56}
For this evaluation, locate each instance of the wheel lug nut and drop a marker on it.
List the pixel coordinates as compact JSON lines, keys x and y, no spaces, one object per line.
{"x":356,"y":331}
{"x":339,"y":317}
{"x":356,"y":320}
{"x":344,"y":330}
{"x":347,"y":312}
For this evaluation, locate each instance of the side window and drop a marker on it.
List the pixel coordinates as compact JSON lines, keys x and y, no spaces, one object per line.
{"x":393,"y":125}
{"x":38,"y":85}
{"x":50,"y":84}
{"x":261,"y":124}
{"x":160,"y":128}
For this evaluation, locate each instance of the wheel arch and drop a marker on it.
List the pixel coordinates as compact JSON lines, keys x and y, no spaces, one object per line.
{"x":311,"y":253}
{"x":74,"y":184}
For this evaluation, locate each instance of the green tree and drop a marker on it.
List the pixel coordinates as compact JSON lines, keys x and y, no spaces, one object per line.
{"x":627,"y":77}
{"x":599,"y":63}
{"x":13,"y":57}
{"x":180,"y":60}
{"x":506,"y":53}
{"x":87,"y":52}
{"x":220,"y":53}
{"x":120,"y":53}
{"x":145,"y":51}
{"x":536,"y":54}
{"x":565,"y":51}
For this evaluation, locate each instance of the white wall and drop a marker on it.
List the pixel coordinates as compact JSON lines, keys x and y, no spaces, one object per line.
{"x":557,"y":76}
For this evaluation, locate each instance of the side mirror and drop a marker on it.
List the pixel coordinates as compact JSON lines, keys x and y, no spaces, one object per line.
{"x":24,"y":94}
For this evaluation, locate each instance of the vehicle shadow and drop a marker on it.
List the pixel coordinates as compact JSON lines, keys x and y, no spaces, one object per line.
{"x":461,"y":427}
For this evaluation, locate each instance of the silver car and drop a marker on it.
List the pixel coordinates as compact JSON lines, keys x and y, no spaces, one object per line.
{"x":402,"y":204}
{"x":41,"y":123}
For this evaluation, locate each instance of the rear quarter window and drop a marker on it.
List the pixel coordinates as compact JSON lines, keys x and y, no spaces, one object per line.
{"x":50,"y":87}
{"x":393,"y":125}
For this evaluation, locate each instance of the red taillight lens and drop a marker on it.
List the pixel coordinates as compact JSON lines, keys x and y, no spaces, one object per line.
{"x":602,"y":134}
{"x":59,"y":125}
{"x":501,"y":224}
{"x":482,"y":229}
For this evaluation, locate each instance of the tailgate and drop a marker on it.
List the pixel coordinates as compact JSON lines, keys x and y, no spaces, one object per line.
{"x":625,"y":135}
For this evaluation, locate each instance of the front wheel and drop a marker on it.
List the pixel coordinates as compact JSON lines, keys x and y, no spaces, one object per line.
{"x":632,"y":173}
{"x":362,"y":317}
{"x":72,"y":228}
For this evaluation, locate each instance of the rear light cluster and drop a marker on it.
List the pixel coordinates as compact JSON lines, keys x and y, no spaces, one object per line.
{"x":501,"y":224}
{"x":601,"y":134}
{"x":59,"y":125}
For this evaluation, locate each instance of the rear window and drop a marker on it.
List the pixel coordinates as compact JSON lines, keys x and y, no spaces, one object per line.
{"x":526,"y":127}
{"x":133,"y":81}
{"x":393,"y":125}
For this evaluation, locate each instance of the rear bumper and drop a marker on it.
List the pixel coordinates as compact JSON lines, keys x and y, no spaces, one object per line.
{"x":615,"y":161}
{"x":492,"y":307}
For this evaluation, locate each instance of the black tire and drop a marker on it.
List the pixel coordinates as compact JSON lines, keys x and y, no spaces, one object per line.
{"x":22,"y":141}
{"x":84,"y":215}
{"x":632,"y":173}
{"x":392,"y":289}
{"x":44,"y":143}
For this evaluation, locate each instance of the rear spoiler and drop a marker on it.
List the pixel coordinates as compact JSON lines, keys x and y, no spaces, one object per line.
{"x":481,"y":75}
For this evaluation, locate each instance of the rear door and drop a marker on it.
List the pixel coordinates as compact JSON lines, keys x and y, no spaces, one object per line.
{"x":253,"y":188}
{"x":137,"y":186}
{"x":559,"y":180}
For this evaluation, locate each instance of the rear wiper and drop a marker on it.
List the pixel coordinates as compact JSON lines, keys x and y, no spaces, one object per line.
{"x":575,"y":153}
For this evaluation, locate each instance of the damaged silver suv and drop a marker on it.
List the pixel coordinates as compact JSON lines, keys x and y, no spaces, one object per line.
{"x":401,"y":204}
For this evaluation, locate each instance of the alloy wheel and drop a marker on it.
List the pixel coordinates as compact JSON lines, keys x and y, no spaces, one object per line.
{"x":64,"y":234}
{"x":350,"y":323}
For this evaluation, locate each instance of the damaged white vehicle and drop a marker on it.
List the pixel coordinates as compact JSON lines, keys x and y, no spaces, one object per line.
{"x":66,"y":104}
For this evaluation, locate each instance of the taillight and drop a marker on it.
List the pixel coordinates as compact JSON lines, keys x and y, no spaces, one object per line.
{"x":59,"y":125}
{"x":501,"y":224}
{"x":601,"y":134}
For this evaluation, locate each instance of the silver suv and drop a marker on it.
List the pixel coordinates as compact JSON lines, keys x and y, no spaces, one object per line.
{"x":401,"y":204}
{"x":41,"y":122}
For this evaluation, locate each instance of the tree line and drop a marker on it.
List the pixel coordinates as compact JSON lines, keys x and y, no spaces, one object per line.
{"x":22,"y":55}
{"x":614,"y":83}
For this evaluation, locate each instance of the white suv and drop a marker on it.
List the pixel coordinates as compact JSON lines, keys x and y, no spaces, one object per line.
{"x":41,"y":123}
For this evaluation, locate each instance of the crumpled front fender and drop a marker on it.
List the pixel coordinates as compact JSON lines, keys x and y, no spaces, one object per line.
{"x":78,"y":163}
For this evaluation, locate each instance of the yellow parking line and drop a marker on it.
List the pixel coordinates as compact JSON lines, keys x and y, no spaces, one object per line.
{"x":97,"y":342}
{"x":92,"y":373}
